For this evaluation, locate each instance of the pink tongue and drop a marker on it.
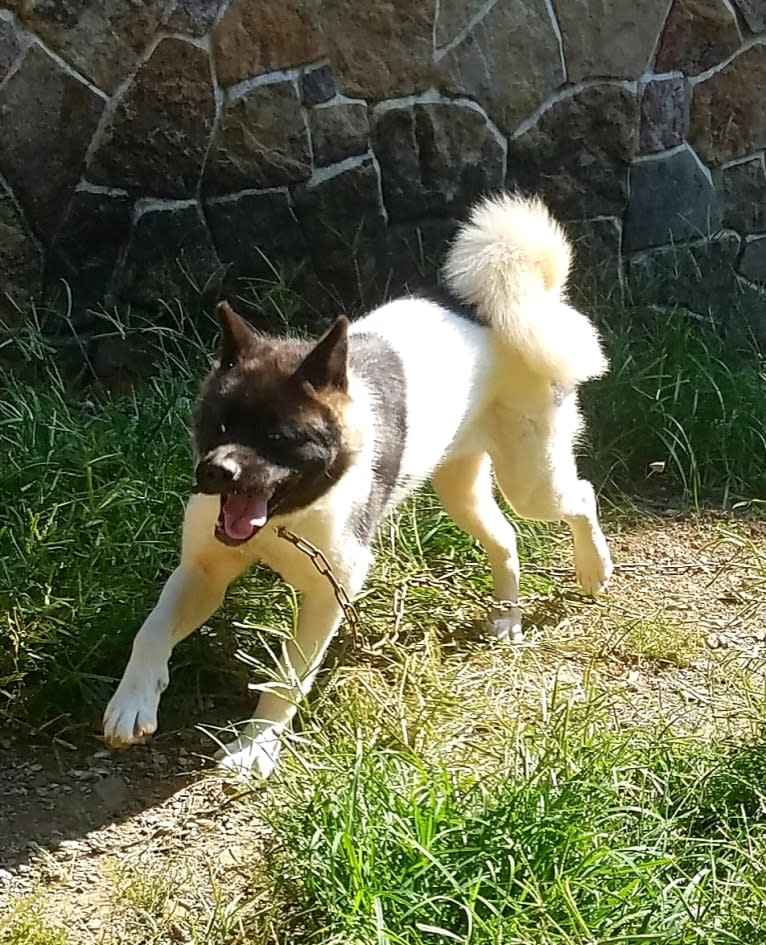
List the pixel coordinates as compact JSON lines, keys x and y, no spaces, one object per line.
{"x":242,"y":514}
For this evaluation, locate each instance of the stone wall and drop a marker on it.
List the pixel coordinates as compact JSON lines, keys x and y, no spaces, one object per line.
{"x":147,"y":147}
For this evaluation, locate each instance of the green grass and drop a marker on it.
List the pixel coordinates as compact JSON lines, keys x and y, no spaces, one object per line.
{"x":586,"y":834}
{"x":94,"y":486}
{"x":439,"y":789}
{"x":682,"y":393}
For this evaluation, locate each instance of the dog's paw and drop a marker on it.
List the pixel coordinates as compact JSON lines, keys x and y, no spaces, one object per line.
{"x":505,"y":625}
{"x":249,"y":756}
{"x":594,"y":568}
{"x":131,"y":716}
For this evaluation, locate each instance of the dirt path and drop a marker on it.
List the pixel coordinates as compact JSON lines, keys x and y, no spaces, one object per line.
{"x":82,"y":827}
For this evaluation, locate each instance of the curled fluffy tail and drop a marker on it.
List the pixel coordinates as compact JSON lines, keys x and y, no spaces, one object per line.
{"x":510,"y":261}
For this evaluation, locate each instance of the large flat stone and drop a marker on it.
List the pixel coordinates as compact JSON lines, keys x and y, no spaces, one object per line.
{"x":608,"y":38}
{"x":754,"y":12}
{"x":257,"y":36}
{"x":85,"y":251}
{"x":261,"y":141}
{"x":170,"y":257}
{"x":21,"y":262}
{"x":578,"y":152}
{"x":156,"y":141}
{"x":743,"y":188}
{"x":728,"y":110}
{"x":47,"y":119}
{"x":663,"y":114}
{"x":700,"y":276}
{"x":339,"y":131}
{"x":435,"y":158}
{"x":510,"y":61}
{"x":10,"y":46}
{"x":380,"y":50}
{"x":102,"y":39}
{"x":698,"y":34}
{"x":343,"y":221}
{"x":752,"y":264}
{"x":671,"y":200}
{"x":256,"y":232}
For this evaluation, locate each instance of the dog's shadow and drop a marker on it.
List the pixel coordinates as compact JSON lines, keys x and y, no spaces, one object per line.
{"x":64,"y":793}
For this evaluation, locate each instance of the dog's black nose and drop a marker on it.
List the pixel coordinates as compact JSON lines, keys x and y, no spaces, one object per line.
{"x":213,"y":477}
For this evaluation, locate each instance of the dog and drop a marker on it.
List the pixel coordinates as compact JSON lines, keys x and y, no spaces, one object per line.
{"x":327,"y":438}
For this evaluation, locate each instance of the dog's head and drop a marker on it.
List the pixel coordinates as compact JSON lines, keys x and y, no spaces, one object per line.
{"x":271,"y":424}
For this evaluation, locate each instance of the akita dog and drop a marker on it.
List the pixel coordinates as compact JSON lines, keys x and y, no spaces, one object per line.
{"x":327,"y":438}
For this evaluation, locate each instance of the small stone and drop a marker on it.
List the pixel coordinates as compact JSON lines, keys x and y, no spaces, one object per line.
{"x":101,"y":39}
{"x":577,"y":153}
{"x":752,"y":265}
{"x":257,"y":36}
{"x":510,"y":62}
{"x":435,"y":158}
{"x":170,"y":256}
{"x":608,"y":37}
{"x":6,"y":876}
{"x":47,"y":119}
{"x":380,"y":50}
{"x":87,"y":246}
{"x":662,"y":115}
{"x":339,"y":131}
{"x":255,"y":232}
{"x":21,"y":261}
{"x":318,"y":85}
{"x":754,"y":12}
{"x":671,"y":200}
{"x":698,"y":34}
{"x":744,"y":195}
{"x":194,"y":17}
{"x":727,"y":117}
{"x":113,"y":791}
{"x":159,"y":133}
{"x":279,"y":153}
{"x":10,"y":47}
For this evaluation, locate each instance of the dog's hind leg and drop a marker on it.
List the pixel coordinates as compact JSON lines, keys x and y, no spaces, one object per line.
{"x":191,"y":594}
{"x":464,"y":486}
{"x":540,"y":481}
{"x":258,"y":745}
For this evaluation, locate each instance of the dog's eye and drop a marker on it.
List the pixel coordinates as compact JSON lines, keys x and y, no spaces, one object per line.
{"x":221,"y":427}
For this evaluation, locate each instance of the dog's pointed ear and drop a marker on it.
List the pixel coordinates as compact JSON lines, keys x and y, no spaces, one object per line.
{"x":237,"y":335}
{"x":326,"y":365}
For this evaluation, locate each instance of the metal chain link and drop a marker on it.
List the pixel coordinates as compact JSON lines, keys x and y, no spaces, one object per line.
{"x":323,"y":567}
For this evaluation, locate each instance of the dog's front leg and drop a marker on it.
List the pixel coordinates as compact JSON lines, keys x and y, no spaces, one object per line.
{"x":258,"y":745}
{"x":192,"y":593}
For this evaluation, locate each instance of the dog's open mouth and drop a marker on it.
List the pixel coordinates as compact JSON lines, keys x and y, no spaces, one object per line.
{"x":241,"y":516}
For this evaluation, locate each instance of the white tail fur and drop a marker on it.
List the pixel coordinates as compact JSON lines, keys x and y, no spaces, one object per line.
{"x":511,"y":261}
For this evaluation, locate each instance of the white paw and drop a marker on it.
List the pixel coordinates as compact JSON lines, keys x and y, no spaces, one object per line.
{"x":594,"y":567}
{"x":248,"y":755}
{"x":506,"y":625}
{"x":131,"y":716}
